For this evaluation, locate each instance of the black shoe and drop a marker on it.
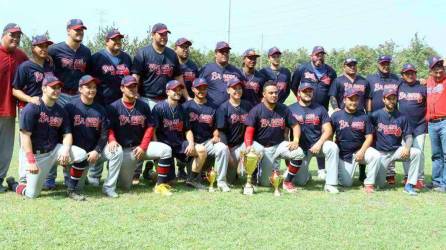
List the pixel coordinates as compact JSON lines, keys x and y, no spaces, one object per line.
{"x":182,"y":175}
{"x":196,"y":184}
{"x":362,"y":174}
{"x":75,"y":196}
{"x":431,"y":185}
{"x":12,"y":184}
{"x":148,"y":170}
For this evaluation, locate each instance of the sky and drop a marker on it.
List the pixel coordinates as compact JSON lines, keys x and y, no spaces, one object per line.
{"x":287,"y":24}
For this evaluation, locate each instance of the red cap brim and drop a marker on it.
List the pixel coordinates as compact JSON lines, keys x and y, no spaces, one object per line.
{"x":116,"y":35}
{"x":78,"y":27}
{"x":51,"y":84}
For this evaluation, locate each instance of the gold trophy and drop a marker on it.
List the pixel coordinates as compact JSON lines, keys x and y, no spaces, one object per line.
{"x":249,"y":161}
{"x":211,"y":176}
{"x":275,"y":180}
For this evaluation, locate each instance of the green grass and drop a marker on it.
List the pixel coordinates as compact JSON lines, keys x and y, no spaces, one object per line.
{"x":200,"y":220}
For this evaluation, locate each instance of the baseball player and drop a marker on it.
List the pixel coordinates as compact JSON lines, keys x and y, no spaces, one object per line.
{"x":354,"y":136}
{"x":155,"y":65}
{"x":10,"y":58}
{"x":173,"y":128}
{"x":280,"y":75}
{"x":231,"y":117}
{"x":42,"y":127}
{"x":218,"y":74}
{"x":412,"y":104}
{"x":70,"y":64}
{"x":254,"y":80}
{"x":90,"y":130}
{"x":188,"y":68}
{"x":203,"y":125}
{"x":316,"y":131}
{"x":132,"y":129}
{"x":321,"y":75}
{"x":391,"y":128}
{"x":266,"y":124}
{"x":109,"y":66}
{"x":349,"y":79}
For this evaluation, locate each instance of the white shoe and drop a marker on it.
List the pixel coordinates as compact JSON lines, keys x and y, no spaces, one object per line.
{"x":93,"y":181}
{"x":321,"y":174}
{"x":331,"y":189}
{"x":223,"y":186}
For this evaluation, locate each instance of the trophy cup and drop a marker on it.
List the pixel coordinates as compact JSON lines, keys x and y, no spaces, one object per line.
{"x":249,"y":161}
{"x":275,"y":180}
{"x":211,"y":176}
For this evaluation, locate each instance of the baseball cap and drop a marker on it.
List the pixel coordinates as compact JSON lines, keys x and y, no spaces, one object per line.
{"x":51,"y":81}
{"x":76,"y":24}
{"x":250,"y":52}
{"x":274,"y":50}
{"x":87,"y":79}
{"x":222,"y":45}
{"x":433,"y":61}
{"x":12,"y":28}
{"x":173,"y":84}
{"x":182,"y":41}
{"x":350,"y":60}
{"x":233,"y":82}
{"x":389,"y":91}
{"x":160,"y":28}
{"x":128,"y":80}
{"x":384,"y":58}
{"x":408,"y":67}
{"x":305,"y":85}
{"x":40,"y":39}
{"x":350,"y":92}
{"x":113,"y":33}
{"x":199,"y":82}
{"x":318,"y":49}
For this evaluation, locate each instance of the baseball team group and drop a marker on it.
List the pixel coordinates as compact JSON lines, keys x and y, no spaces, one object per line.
{"x":157,"y":115}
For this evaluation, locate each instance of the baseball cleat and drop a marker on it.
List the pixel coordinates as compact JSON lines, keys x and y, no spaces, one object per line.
{"x":135,"y":180}
{"x":93,"y":181}
{"x":76,"y":196}
{"x":289,"y":187}
{"x":223,"y":186}
{"x":196,"y":184}
{"x":331,"y":189}
{"x":391,"y":180}
{"x":163,"y":189}
{"x":369,"y":189}
{"x":110,"y":193}
{"x":420,"y":185}
{"x":408,"y":188}
{"x":10,"y":181}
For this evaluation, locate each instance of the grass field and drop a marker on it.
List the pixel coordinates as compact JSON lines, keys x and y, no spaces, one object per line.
{"x":388,"y":219}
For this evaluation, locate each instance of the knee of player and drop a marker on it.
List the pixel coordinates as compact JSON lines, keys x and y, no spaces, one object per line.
{"x":166,"y":151}
{"x":347,"y":182}
{"x":201,"y":150}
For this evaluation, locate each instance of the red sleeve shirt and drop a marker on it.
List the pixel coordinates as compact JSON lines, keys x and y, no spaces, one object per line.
{"x":9,"y":62}
{"x":436,"y":99}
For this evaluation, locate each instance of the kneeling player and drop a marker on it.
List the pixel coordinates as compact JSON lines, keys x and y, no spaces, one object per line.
{"x":391,"y":127}
{"x":354,"y":137}
{"x":132,"y":128}
{"x":316,"y":132}
{"x":266,"y":124}
{"x":40,"y":129}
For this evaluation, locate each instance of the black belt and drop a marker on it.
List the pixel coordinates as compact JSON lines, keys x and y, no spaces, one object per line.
{"x":437,"y":120}
{"x":42,"y":151}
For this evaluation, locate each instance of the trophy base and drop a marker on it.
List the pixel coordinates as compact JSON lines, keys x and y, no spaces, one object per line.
{"x":248,"y":190}
{"x":211,"y":189}
{"x":277,"y":193}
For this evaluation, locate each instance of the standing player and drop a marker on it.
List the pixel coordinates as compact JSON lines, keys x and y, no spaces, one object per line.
{"x":266,"y":124}
{"x":254,"y":80}
{"x":231,"y":117}
{"x":188,"y":68}
{"x":202,"y":123}
{"x":218,"y":74}
{"x":354,"y":136}
{"x":412,"y":104}
{"x":155,"y":65}
{"x":391,"y":128}
{"x":280,"y":75}
{"x":132,"y":129}
{"x":42,"y":127}
{"x":90,"y":130}
{"x":316,"y":132}
{"x":109,"y":66}
{"x":436,"y":116}
{"x":350,"y":79}
{"x":70,"y":64}
{"x":173,"y":128}
{"x":10,"y":58}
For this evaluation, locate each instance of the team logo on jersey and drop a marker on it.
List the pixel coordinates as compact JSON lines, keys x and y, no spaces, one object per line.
{"x":121,"y":69}
{"x":189,"y":76}
{"x":215,"y":76}
{"x":253,"y":86}
{"x":380,"y":86}
{"x":76,"y":64}
{"x":273,"y":123}
{"x":134,"y":120}
{"x":358,"y":125}
{"x":357,"y":87}
{"x":310,"y":75}
{"x":417,"y":97}
{"x":435,"y":90}
{"x":201,"y":118}
{"x":390,"y":129}
{"x":312,"y":119}
{"x":161,"y":70}
{"x":52,"y":121}
{"x":89,"y":122}
{"x":38,"y":76}
{"x":173,"y":125}
{"x":235,"y":118}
